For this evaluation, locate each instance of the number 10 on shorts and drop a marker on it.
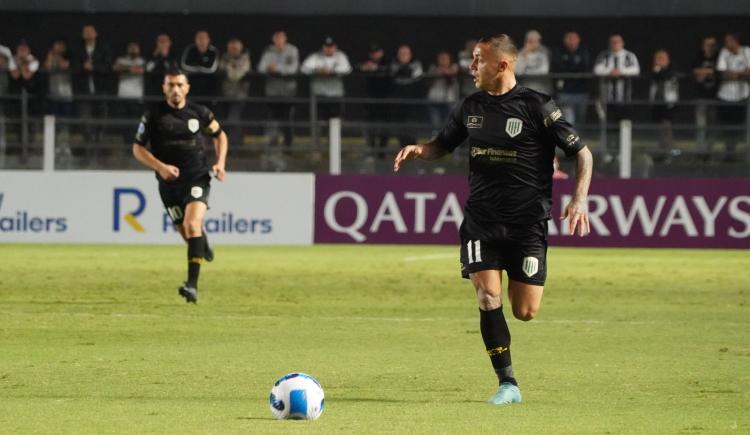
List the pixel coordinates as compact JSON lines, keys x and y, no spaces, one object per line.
{"x":474,"y":249}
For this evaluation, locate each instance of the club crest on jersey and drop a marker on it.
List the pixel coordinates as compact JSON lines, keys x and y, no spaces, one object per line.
{"x":474,"y":121}
{"x":193,"y":125}
{"x":513,"y":127}
{"x":530,"y":266}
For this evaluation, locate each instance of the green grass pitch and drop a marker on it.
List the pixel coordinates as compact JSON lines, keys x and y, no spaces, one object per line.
{"x":95,"y":339}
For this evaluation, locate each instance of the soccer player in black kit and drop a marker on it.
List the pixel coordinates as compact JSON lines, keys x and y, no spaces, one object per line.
{"x":171,"y":129}
{"x":512,"y":133}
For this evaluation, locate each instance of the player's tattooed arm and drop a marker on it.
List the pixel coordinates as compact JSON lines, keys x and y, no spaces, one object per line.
{"x":426,"y":151}
{"x":577,"y":209}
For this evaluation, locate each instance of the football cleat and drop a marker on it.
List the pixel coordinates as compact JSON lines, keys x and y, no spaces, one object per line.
{"x":189,"y":293}
{"x":507,"y":393}
{"x":209,"y":254}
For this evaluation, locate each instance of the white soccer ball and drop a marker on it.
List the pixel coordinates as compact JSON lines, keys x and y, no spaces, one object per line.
{"x":297,"y":396}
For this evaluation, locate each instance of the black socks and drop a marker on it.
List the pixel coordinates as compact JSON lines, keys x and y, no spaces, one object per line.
{"x":196,"y":250}
{"x":496,"y":336}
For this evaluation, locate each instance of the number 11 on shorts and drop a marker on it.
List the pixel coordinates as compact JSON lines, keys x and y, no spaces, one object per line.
{"x":474,"y":249}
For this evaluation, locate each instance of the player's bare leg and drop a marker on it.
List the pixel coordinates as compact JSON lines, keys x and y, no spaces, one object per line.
{"x":495,"y":333}
{"x":193,"y":231}
{"x":525,"y":299}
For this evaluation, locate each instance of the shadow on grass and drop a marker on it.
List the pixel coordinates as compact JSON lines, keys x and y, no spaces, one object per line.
{"x":373,"y":400}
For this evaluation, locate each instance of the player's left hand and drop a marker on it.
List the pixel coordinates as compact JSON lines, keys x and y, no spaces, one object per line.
{"x":219,"y":172}
{"x":578,"y":216}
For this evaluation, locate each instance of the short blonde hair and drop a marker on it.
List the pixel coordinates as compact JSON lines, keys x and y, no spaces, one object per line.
{"x":503,"y":44}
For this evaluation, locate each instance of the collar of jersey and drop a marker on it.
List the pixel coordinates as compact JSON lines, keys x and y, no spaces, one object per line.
{"x":508,"y":94}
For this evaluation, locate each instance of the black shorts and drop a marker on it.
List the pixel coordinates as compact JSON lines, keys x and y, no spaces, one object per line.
{"x":520,"y":250}
{"x":176,"y":197}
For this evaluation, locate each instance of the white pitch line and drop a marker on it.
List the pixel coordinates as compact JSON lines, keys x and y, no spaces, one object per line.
{"x":431,"y":257}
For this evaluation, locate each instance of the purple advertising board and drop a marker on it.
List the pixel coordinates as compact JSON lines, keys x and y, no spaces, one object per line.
{"x":685,"y":213}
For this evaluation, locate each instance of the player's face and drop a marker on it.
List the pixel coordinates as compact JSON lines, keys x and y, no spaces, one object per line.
{"x":176,"y":89}
{"x":487,"y":67}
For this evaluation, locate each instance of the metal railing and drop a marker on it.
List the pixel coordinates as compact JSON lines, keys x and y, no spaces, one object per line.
{"x":103,"y":134}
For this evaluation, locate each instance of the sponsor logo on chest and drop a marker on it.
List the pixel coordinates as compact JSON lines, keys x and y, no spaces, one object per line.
{"x":474,"y":121}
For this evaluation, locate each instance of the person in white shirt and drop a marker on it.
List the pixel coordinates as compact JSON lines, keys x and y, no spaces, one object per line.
{"x":465,"y":58}
{"x":617,"y":64}
{"x":443,"y":89}
{"x":280,"y":62}
{"x":734,"y":67}
{"x":234,"y":66}
{"x":28,"y":65}
{"x":326,"y":68}
{"x":533,"y":60}
{"x":7,"y":67}
{"x":130,"y":69}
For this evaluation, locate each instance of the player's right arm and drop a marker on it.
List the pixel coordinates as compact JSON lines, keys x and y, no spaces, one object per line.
{"x":446,"y":141}
{"x":143,"y":155}
{"x":165,"y":171}
{"x":425,"y":151}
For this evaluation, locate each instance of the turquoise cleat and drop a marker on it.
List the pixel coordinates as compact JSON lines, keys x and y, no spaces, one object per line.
{"x":507,"y":393}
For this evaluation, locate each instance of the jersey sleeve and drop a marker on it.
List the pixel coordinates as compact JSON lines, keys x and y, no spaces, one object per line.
{"x":454,"y":132}
{"x":143,"y":134}
{"x":207,"y":118}
{"x":559,"y":130}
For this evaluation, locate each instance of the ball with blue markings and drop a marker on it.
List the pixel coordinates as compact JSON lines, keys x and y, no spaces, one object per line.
{"x":297,"y":396}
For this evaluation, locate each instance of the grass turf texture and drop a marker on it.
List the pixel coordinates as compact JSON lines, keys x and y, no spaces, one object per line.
{"x":95,"y":339}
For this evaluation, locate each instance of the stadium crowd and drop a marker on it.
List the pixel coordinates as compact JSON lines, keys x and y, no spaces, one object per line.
{"x":87,"y":67}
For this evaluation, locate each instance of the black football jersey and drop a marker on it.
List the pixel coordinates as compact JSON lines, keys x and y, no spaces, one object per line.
{"x":173,"y":136}
{"x":511,"y":143}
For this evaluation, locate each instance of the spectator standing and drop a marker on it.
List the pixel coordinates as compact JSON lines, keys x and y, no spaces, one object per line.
{"x":617,"y":65}
{"x":234,"y":67}
{"x":326,"y":68}
{"x":406,"y":74}
{"x":60,"y":94}
{"x":130,"y":68}
{"x":92,"y":67}
{"x":443,"y":89}
{"x":7,"y":67}
{"x":533,"y":60}
{"x":280,"y":63}
{"x":59,"y":84}
{"x":27,"y":67}
{"x":663,"y":94}
{"x":377,"y":85}
{"x":706,"y":85}
{"x":201,"y":61}
{"x":465,"y":58}
{"x":162,"y":60}
{"x":734,"y":65}
{"x":572,"y":93}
